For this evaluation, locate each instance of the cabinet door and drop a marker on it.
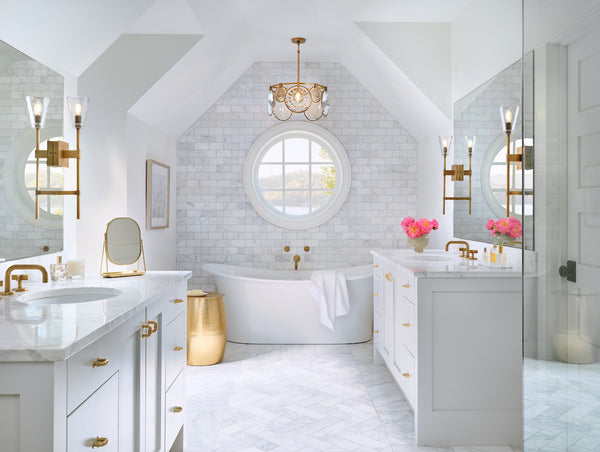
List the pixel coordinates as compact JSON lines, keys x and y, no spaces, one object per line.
{"x":96,"y":421}
{"x":388,"y":316}
{"x":153,"y":382}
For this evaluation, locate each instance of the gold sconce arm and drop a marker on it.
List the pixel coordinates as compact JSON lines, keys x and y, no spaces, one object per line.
{"x":457,"y":173}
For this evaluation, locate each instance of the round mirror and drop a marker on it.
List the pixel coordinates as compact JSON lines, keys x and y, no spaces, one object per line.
{"x":123,"y":241}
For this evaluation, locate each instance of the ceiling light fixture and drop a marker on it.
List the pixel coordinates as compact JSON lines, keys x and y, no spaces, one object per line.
{"x":308,"y":98}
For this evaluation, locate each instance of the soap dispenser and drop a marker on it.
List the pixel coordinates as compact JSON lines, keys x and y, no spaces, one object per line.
{"x":58,"y":271}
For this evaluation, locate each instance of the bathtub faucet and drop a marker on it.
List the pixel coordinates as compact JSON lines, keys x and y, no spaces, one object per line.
{"x":296,"y":260}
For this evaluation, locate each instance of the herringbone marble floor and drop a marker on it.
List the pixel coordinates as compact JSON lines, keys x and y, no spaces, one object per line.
{"x":299,"y":398}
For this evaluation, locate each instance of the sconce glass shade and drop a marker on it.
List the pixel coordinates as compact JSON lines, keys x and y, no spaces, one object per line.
{"x":445,"y":143}
{"x":508,"y":117}
{"x":78,"y":109}
{"x":470,"y":142}
{"x":37,"y":108}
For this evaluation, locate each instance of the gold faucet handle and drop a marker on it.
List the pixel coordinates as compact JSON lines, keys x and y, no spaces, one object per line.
{"x":20,"y":279}
{"x":462,"y":252}
{"x":472,"y":254}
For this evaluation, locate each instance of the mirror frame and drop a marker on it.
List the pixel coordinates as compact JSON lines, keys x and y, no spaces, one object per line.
{"x":106,"y":255}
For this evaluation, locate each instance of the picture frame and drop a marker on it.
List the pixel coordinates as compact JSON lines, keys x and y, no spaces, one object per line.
{"x":158,"y":187}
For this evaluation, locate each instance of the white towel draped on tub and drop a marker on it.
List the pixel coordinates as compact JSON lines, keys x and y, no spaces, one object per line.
{"x":331,"y":294}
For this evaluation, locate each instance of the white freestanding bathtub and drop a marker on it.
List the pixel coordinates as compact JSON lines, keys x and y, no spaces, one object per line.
{"x":276,"y":307}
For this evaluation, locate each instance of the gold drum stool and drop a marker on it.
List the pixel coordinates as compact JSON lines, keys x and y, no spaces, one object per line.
{"x":206,"y":328}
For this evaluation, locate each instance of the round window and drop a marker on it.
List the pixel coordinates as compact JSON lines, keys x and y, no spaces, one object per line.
{"x":297,"y":175}
{"x":493,"y":179}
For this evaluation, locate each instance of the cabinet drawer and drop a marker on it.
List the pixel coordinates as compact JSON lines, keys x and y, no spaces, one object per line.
{"x":174,"y":410}
{"x":175,"y":347}
{"x":90,"y":367}
{"x":408,"y":326}
{"x":406,"y":285}
{"x":175,"y":304}
{"x":96,"y":420}
{"x":408,"y":377}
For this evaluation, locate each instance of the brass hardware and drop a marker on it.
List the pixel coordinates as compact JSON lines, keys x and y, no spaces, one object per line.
{"x":10,"y":269}
{"x":148,"y":330}
{"x":507,"y":123}
{"x":178,"y":300}
{"x":20,"y":279}
{"x":306,"y":249}
{"x":177,"y":409}
{"x":154,"y":325}
{"x":286,"y":249}
{"x":177,"y":348}
{"x":406,"y":375}
{"x":471,"y":255}
{"x":406,"y":325}
{"x":516,"y":242}
{"x":389,"y":277}
{"x":99,"y":442}
{"x":375,"y":266}
{"x":296,"y":260}
{"x":463,"y":251}
{"x":375,"y":294}
{"x":406,"y":286}
{"x":45,"y":248}
{"x":457,"y":173}
{"x":376,"y":331}
{"x":458,"y":242}
{"x":100,"y":362}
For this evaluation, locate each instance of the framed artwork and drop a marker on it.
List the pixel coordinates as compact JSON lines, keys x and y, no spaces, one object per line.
{"x":158,"y":178}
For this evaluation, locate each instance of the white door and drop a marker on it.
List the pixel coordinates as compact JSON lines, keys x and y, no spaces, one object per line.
{"x":583,"y":299}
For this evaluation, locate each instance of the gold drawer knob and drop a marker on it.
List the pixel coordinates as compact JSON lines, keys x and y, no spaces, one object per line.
{"x":99,"y":441}
{"x":375,"y":294}
{"x":406,"y":375}
{"x":153,"y":325}
{"x":406,"y":286}
{"x":178,"y":300}
{"x":388,"y":276}
{"x":100,"y":362}
{"x":406,"y":325}
{"x":177,"y":409}
{"x":375,"y":266}
{"x":178,"y":348}
{"x":376,"y":331}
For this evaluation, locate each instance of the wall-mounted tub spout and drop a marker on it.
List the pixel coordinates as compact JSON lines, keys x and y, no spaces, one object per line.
{"x":296,"y":260}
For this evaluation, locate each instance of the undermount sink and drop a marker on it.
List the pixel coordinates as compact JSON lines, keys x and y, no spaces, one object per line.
{"x":69,"y":295}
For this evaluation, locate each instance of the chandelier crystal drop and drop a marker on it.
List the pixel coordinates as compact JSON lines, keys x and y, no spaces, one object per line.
{"x":296,"y":97}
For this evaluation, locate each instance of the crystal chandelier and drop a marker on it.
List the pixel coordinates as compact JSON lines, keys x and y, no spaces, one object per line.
{"x":308,"y":98}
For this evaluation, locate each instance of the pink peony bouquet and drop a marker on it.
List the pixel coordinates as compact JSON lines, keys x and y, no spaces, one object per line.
{"x":414,"y":228}
{"x":508,"y":226}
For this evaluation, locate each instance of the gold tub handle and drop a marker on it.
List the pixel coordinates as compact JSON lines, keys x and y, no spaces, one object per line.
{"x":99,"y":442}
{"x":100,"y":362}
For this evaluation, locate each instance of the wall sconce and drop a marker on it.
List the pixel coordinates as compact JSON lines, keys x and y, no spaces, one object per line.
{"x":508,"y":117}
{"x":58,"y":153}
{"x":458,"y":172}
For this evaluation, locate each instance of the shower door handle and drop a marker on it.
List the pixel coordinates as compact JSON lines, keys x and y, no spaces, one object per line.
{"x":569,"y":271}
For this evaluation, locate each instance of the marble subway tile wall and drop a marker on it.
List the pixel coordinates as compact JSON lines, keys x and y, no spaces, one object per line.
{"x":217,"y":223}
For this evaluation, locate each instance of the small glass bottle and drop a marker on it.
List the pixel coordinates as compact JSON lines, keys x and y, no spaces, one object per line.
{"x":493,"y":255}
{"x":485,"y":255}
{"x":58,"y":271}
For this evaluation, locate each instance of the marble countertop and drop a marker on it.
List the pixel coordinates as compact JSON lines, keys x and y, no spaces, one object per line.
{"x":53,"y":332}
{"x":439,"y":263}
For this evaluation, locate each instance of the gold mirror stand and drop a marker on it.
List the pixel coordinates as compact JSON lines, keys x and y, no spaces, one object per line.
{"x":121,"y":274}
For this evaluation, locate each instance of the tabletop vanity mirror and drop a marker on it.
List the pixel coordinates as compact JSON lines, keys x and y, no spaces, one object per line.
{"x":122,"y":246}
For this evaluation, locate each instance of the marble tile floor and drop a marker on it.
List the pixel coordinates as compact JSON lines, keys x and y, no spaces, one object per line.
{"x":299,"y":398}
{"x":561,"y":406}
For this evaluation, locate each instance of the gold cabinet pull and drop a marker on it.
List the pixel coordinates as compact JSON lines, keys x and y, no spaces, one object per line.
{"x":100,"y":362}
{"x":388,"y":276}
{"x":154,"y":325}
{"x":99,"y":441}
{"x":406,"y":286}
{"x":178,"y":300}
{"x":146,"y":330}
{"x":375,"y":294}
{"x":178,"y":348}
{"x":406,"y":325}
{"x":406,"y":375}
{"x":177,"y":409}
{"x":375,"y":266}
{"x":376,"y":331}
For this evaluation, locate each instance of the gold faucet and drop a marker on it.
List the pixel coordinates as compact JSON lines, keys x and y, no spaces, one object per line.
{"x":501,"y":247}
{"x":296,"y":260}
{"x":10,"y":269}
{"x":459,"y":242}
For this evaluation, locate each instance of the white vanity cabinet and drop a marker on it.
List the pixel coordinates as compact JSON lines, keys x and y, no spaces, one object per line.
{"x":122,"y":391}
{"x":452,"y":342}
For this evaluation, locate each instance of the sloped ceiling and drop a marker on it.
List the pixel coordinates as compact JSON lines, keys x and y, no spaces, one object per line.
{"x":75,"y":37}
